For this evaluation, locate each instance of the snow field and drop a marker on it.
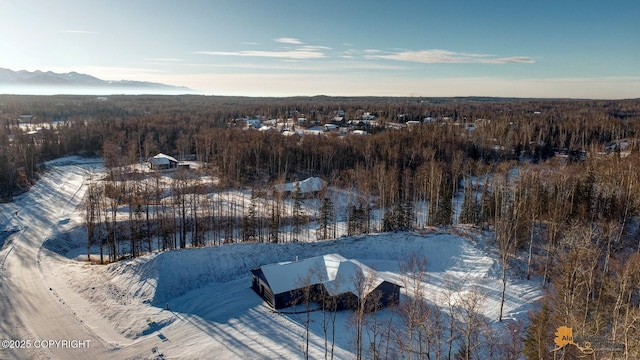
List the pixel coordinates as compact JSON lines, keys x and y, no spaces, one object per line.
{"x":207,"y":291}
{"x":197,"y":303}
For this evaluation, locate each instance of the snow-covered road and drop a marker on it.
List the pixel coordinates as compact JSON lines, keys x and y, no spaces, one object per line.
{"x":35,"y":322}
{"x":42,"y":316}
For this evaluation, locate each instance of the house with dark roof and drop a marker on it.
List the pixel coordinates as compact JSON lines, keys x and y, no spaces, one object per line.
{"x":326,"y":279}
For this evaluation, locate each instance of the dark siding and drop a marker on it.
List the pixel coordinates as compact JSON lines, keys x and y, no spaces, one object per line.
{"x":389,"y":294}
{"x":346,"y":301}
{"x":261,"y":287}
{"x":267,"y":295}
{"x":283,"y":300}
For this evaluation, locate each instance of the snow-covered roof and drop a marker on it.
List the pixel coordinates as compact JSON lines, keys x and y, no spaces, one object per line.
{"x":339,"y":275}
{"x":162,"y":159}
{"x":291,"y":133}
{"x":255,"y":123}
{"x":360,"y":132}
{"x":308,"y":185}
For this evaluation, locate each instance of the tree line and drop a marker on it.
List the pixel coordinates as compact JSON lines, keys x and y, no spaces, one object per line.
{"x":556,"y":180}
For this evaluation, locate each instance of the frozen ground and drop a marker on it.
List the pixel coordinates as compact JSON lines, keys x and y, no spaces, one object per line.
{"x":197,"y":303}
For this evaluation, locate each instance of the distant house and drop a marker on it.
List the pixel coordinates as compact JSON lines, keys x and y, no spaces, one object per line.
{"x":291,"y":133}
{"x":254,"y":123}
{"x":359,"y":132}
{"x":163,"y":162}
{"x":308,"y":187}
{"x":345,"y":283}
{"x":329,"y":127}
{"x":367,"y":116}
{"x":27,"y":118}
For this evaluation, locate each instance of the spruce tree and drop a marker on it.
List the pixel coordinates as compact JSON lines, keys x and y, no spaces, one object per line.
{"x":326,"y":218}
{"x":297,"y":216}
{"x":537,"y":338}
{"x":249,"y":221}
{"x":274,"y":224}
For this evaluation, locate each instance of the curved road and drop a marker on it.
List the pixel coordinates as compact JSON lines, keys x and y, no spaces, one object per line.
{"x":29,"y":308}
{"x":41,"y":317}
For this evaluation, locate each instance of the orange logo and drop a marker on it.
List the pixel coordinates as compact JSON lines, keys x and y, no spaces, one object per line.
{"x":564,"y":337}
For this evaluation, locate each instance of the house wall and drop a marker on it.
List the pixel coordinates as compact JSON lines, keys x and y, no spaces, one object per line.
{"x":263,"y":289}
{"x":389,"y":294}
{"x":159,"y":166}
{"x":282,"y":300}
{"x":163,"y":166}
{"x":345,"y":301}
{"x":298,"y":296}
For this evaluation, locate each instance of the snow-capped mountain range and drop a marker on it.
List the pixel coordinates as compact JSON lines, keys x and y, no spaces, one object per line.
{"x":75,"y":80}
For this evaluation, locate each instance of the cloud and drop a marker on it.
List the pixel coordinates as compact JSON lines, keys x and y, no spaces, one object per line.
{"x":299,"y":54}
{"x":308,"y":52}
{"x":310,"y":66}
{"x":302,"y":52}
{"x":166,"y":60}
{"x":315,"y":47}
{"x":450,"y":57}
{"x":287,"y":40}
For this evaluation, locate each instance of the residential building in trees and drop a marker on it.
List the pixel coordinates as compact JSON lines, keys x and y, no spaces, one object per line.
{"x":344,"y":282}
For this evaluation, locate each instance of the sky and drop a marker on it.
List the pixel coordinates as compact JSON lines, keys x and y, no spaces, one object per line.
{"x":507,"y":48}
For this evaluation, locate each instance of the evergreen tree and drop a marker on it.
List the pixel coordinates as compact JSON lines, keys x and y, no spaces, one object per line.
{"x":408,"y":214}
{"x":359,"y":219}
{"x":399,"y":218}
{"x":537,"y":338}
{"x":327,"y":212}
{"x":249,"y":221}
{"x":444,"y":209}
{"x":274,"y":223}
{"x":296,"y":214}
{"x":352,"y":220}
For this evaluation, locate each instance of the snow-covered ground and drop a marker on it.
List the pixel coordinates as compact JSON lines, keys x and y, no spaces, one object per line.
{"x":197,"y":303}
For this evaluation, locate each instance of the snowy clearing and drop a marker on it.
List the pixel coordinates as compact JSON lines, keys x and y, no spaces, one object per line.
{"x":197,"y":303}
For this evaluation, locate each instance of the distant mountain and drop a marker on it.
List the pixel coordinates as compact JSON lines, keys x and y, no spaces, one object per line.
{"x":69,"y":81}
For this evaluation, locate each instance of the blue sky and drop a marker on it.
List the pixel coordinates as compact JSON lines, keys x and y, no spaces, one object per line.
{"x":560,"y":48}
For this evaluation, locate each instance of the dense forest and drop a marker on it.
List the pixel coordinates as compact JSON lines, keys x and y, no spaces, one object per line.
{"x":557,"y":181}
